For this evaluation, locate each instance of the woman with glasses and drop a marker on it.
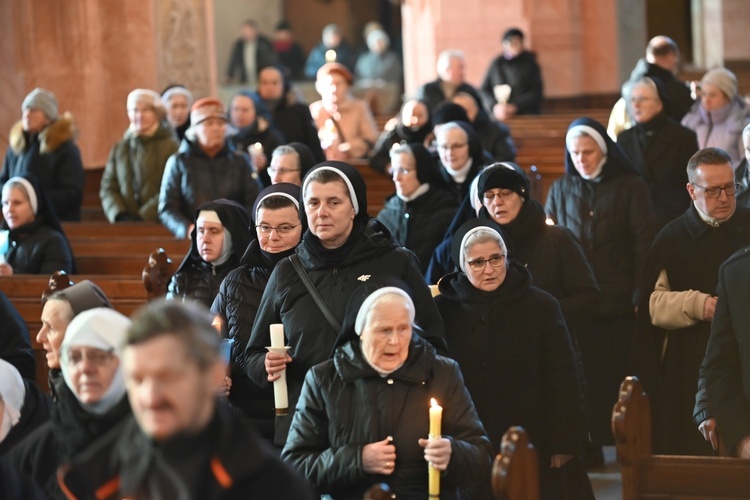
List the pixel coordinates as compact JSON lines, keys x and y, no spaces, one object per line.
{"x":91,"y":402}
{"x":420,"y":210}
{"x":278,"y":228}
{"x":501,"y":329}
{"x":220,"y":235}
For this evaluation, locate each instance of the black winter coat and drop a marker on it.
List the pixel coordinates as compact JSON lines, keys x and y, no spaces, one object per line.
{"x":678,"y":92}
{"x":345,"y":404}
{"x":15,"y":343}
{"x":192,"y":178}
{"x":35,"y":248}
{"x":264,"y":56}
{"x":432,"y":93}
{"x":660,"y":150}
{"x":523,"y":75}
{"x":742,"y":177}
{"x":311,"y":337}
{"x":396,"y":132}
{"x":612,"y":218}
{"x":199,"y":280}
{"x":419,"y":224}
{"x":296,"y":124}
{"x":495,"y":138}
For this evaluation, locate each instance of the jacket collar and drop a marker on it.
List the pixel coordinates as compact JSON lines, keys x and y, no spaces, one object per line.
{"x":351,"y":365}
{"x":52,"y":137}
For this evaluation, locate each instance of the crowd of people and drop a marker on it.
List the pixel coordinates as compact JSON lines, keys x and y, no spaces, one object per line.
{"x":537,"y":313}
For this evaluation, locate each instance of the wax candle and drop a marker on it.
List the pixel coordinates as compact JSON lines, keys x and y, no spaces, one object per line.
{"x":330,"y":55}
{"x":280,"y":395}
{"x":436,"y":417}
{"x":277,"y":335}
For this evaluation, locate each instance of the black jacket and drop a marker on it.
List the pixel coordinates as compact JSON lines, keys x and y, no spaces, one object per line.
{"x":296,"y":124}
{"x":226,"y":461}
{"x":419,"y":224}
{"x":345,"y":404}
{"x":192,"y":178}
{"x":395,"y":132}
{"x":35,"y":248}
{"x":264,"y":56}
{"x":660,"y":150}
{"x":311,"y":337}
{"x":742,"y":177}
{"x":678,"y":92}
{"x":495,"y":137}
{"x":34,"y":413}
{"x":263,"y":132}
{"x":523,"y":75}
{"x":432,"y":93}
{"x":15,"y":343}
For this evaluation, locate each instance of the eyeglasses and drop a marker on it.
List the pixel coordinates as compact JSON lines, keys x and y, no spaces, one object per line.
{"x":403,"y":171}
{"x":503,"y":194}
{"x":715,"y":192}
{"x":280,"y":229}
{"x":97,"y":357}
{"x":451,"y":147}
{"x":641,"y":100}
{"x":283,"y":171}
{"x":479,"y":264}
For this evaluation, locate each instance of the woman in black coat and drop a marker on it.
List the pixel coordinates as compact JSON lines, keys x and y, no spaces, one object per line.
{"x":413,"y":124}
{"x":362,"y":417}
{"x":279,"y":227}
{"x":461,"y":156}
{"x":514,"y":350}
{"x":34,"y":240}
{"x":343,"y":247}
{"x":220,"y":235}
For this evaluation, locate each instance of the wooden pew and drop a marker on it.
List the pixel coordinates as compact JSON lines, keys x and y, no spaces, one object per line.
{"x":515,"y":471}
{"x":121,"y":229}
{"x":115,"y":246}
{"x":648,"y":476}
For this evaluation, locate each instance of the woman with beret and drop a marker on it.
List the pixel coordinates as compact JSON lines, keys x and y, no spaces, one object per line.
{"x":373,"y":399}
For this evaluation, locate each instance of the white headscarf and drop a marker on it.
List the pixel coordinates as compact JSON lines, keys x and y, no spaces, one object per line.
{"x":30,"y":192}
{"x":13,"y":393}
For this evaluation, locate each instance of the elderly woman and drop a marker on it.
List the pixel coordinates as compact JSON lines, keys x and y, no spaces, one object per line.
{"x":177,"y":100}
{"x":279,"y":228}
{"x":290,"y":163}
{"x":308,"y":293}
{"x":421,"y":209}
{"x":608,"y":208}
{"x":413,"y":124}
{"x":34,"y":242}
{"x":206,"y":167}
{"x":42,"y":143}
{"x":461,"y":156}
{"x":23,"y":407}
{"x":502,"y":328}
{"x":720,"y":114}
{"x":373,"y":396}
{"x":91,"y":403}
{"x":346,"y":127}
{"x":219,"y":238}
{"x":132,"y":176}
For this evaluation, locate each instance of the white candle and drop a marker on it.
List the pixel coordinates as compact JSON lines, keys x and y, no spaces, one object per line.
{"x":280,"y":394}
{"x":277,"y":335}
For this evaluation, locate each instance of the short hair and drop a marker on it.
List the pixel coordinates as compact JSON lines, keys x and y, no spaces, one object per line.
{"x":285,"y":150}
{"x":660,"y":46}
{"x":707,"y":156}
{"x":483,"y":235}
{"x":444,"y":59}
{"x":190,"y":324}
{"x":325,"y":176}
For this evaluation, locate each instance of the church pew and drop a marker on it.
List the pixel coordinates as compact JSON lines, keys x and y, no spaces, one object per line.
{"x":124,"y":245}
{"x":648,"y":476}
{"x":128,"y":265}
{"x":121,"y":229}
{"x":515,"y":471}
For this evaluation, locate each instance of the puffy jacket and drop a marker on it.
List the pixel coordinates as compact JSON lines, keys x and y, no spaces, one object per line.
{"x":35,"y":248}
{"x":311,"y":337}
{"x":192,"y":178}
{"x":345,"y":404}
{"x":132,"y":176}
{"x":721,"y":128}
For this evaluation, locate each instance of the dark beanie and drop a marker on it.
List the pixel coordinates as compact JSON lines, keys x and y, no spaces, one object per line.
{"x":512,"y":32}
{"x":84,"y":296}
{"x":449,"y":112}
{"x":504,"y":175}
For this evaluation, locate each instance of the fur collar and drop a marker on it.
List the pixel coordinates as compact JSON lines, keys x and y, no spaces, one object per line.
{"x":56,"y":134}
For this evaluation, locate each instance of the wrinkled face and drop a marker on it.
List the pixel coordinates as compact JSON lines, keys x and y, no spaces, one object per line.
{"x":91,"y":371}
{"x":177,"y":110}
{"x":454,"y":72}
{"x":142,"y":117}
{"x":503,"y":205}
{"x":453,"y":147}
{"x":404,"y":174}
{"x":242,"y":111}
{"x":277,"y":241}
{"x":209,"y":239}
{"x":712,"y":98}
{"x":644,"y":103}
{"x":330,"y":213}
{"x":210,"y":132}
{"x":713,"y":176}
{"x":414,"y":114}
{"x":586,"y":155}
{"x":285,"y":168}
{"x":270,"y":84}
{"x":488,"y":278}
{"x":17,"y":209}
{"x":56,"y":315}
{"x":512,"y":47}
{"x":33,"y":120}
{"x":386,"y":335}
{"x":168,"y":392}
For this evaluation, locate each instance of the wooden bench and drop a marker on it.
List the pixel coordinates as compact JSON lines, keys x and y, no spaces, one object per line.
{"x":115,"y":246}
{"x":121,"y":229}
{"x":648,"y":476}
{"x":515,"y":471}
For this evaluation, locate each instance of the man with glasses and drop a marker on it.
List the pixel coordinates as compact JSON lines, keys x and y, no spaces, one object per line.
{"x":678,"y":302}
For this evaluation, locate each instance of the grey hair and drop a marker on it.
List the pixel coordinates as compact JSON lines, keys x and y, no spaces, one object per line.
{"x":285,"y":150}
{"x":445,"y":57}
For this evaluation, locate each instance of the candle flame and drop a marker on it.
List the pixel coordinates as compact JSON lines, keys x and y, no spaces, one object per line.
{"x":433,"y":403}
{"x":330,"y":56}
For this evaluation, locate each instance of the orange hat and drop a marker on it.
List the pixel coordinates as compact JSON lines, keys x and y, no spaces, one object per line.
{"x":208,"y":107}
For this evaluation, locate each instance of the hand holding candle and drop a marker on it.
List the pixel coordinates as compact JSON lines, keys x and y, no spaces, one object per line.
{"x":258,"y":155}
{"x":276,"y":360}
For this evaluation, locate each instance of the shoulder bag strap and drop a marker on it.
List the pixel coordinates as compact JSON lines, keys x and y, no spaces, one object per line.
{"x":294,"y":259}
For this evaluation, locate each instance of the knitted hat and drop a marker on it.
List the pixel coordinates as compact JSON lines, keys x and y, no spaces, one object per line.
{"x":334,"y":67}
{"x":43,"y":100}
{"x":83,"y":296}
{"x":145,"y":96}
{"x":208,"y":107}
{"x":508,"y":176}
{"x":724,"y":79}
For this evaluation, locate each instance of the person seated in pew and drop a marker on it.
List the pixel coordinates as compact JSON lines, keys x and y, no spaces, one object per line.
{"x":177,"y":101}
{"x":206,"y":167}
{"x":494,"y":136}
{"x":290,"y":163}
{"x":32,"y":240}
{"x":220,"y":236}
{"x":132,"y":176}
{"x":514,"y":349}
{"x":91,"y":402}
{"x":451,"y":71}
{"x":461,"y":156}
{"x":362,"y":416}
{"x":413,"y":124}
{"x":279,"y":227}
{"x":15,"y":343}
{"x":420,"y":210}
{"x":23,"y":406}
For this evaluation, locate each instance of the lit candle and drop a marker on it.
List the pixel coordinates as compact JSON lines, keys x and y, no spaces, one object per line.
{"x":330,"y":55}
{"x":436,"y":417}
{"x":280,"y":395}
